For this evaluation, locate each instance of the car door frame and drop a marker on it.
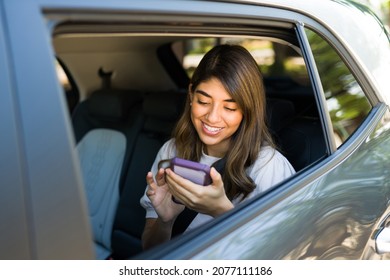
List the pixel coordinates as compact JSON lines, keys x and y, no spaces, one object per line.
{"x":218,"y":239}
{"x":50,"y":205}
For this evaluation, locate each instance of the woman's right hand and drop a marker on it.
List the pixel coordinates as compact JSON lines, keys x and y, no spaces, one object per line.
{"x":161,"y":198}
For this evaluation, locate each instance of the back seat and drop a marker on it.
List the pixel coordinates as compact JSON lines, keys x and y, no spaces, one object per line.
{"x":161,"y":111}
{"x":299,"y":135}
{"x":302,"y":142}
{"x":106,"y":127}
{"x":300,"y":139}
{"x":278,"y":113}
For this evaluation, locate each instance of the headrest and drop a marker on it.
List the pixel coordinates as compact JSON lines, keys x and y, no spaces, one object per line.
{"x":278,"y":113}
{"x":164,"y":105}
{"x":111,"y":104}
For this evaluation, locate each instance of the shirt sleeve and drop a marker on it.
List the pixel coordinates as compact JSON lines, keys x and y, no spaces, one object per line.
{"x":270,"y":168}
{"x":167,"y":151}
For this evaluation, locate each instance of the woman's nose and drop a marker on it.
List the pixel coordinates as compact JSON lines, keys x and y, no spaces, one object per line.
{"x":213,"y":115}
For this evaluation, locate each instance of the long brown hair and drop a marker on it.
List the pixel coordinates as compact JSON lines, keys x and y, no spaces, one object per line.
{"x":237,"y":70}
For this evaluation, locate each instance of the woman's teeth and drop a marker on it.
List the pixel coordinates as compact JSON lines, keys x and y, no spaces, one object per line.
{"x":212,"y":129}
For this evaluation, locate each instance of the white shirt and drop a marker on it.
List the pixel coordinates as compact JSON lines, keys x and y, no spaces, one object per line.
{"x":270,"y":168}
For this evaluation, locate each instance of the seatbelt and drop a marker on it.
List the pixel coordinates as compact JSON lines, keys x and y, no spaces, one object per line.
{"x":187,"y":216}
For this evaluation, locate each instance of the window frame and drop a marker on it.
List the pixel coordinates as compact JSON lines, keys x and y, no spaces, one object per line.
{"x":326,"y":122}
{"x":48,"y":162}
{"x":356,"y":69}
{"x":181,"y":248}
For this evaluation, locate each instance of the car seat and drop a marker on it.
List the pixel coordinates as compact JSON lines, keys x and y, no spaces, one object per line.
{"x":302,"y":142}
{"x":161,"y":111}
{"x":105,"y":126}
{"x":278,"y":114}
{"x":299,"y":138}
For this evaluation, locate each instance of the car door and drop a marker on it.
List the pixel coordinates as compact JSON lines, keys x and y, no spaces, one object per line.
{"x":14,"y":241}
{"x":332,"y":210}
{"x":43,"y":212}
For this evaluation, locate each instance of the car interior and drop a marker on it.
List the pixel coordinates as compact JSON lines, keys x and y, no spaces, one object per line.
{"x":125,"y":92}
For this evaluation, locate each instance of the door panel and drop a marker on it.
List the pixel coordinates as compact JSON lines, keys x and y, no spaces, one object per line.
{"x":52,"y":187}
{"x":334,"y":217}
{"x":14,"y":228}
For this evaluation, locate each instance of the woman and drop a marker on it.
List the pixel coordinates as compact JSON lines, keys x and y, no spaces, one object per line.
{"x":224,"y":117}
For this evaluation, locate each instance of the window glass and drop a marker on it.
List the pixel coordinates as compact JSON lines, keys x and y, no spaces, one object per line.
{"x":346,"y":101}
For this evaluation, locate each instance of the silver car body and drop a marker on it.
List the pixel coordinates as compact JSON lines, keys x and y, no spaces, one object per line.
{"x":336,"y":209}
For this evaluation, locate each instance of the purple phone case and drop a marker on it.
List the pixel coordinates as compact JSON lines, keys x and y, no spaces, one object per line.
{"x":194,"y":171}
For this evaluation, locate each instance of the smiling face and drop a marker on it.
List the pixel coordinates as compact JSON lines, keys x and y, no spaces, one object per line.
{"x":215,"y":115}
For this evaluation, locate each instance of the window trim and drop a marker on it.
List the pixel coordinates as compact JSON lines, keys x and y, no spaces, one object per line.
{"x":356,"y":70}
{"x":317,"y":88}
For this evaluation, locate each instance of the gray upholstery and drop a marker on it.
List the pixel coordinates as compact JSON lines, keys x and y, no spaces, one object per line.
{"x":279,"y":113}
{"x":302,"y":142}
{"x":106,"y":126}
{"x":299,"y":139}
{"x":160,"y":112}
{"x":101,"y":153}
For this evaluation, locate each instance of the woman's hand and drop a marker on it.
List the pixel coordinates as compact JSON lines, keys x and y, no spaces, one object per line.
{"x":161,"y":198}
{"x":210,"y":200}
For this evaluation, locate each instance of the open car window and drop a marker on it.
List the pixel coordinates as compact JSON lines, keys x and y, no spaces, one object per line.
{"x":132,"y":90}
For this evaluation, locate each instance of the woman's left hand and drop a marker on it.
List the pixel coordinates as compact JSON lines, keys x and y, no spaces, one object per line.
{"x":210,"y":200}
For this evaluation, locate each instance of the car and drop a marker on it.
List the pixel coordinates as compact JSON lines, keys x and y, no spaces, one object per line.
{"x":91,"y":89}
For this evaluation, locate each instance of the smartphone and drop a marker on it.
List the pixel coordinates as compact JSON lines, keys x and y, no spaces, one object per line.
{"x":196,"y":172}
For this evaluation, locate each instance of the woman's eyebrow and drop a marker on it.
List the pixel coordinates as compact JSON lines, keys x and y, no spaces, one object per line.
{"x":209,"y":96}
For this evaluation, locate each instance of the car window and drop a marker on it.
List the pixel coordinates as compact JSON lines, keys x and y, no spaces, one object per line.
{"x":128,"y":112}
{"x":347,"y":104}
{"x":67,"y":83}
{"x":62,"y":77}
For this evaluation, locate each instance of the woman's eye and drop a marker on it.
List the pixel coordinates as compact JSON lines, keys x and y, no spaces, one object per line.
{"x":201,"y":102}
{"x":230,"y":109}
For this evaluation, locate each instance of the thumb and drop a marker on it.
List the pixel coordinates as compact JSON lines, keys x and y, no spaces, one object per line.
{"x":215,"y":177}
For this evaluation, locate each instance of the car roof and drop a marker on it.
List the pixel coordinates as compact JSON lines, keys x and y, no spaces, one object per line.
{"x":347,"y":25}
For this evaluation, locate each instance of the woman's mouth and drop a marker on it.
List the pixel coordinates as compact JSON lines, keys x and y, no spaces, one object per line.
{"x":211,"y":129}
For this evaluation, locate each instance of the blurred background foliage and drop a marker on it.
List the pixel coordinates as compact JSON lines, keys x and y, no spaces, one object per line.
{"x":381,"y":8}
